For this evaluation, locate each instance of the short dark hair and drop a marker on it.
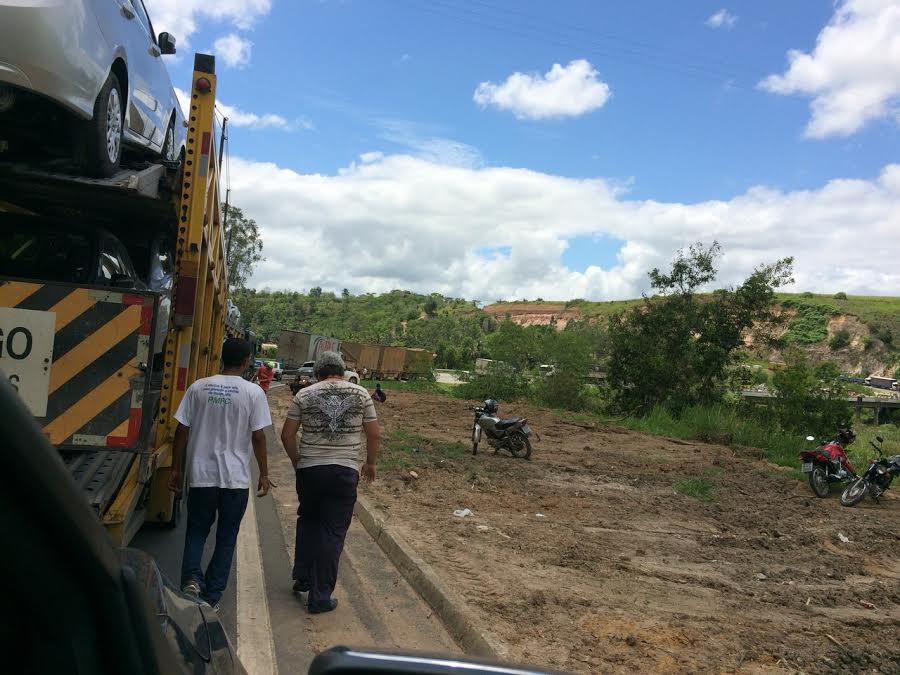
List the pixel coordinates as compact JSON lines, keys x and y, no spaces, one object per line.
{"x":235,"y":351}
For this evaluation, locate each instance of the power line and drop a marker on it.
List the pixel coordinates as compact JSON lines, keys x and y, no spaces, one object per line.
{"x":637,"y":53}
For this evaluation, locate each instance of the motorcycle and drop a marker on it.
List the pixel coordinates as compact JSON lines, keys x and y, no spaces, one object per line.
{"x":828,"y":463}
{"x":875,"y":480}
{"x":512,"y":434}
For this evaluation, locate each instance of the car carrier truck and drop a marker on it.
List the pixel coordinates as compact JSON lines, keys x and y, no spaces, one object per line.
{"x":99,"y":352}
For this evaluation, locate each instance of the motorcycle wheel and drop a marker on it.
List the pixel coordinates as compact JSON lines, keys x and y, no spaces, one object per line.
{"x":520,"y":446}
{"x":855,"y":493}
{"x":818,"y":482}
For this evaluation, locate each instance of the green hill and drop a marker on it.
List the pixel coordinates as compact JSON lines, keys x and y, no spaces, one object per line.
{"x":857,"y":332}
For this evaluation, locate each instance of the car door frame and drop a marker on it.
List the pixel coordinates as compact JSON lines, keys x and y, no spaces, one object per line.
{"x":144,"y":59}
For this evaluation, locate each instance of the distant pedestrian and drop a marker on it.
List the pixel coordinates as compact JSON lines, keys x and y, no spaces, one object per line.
{"x":264,"y":375}
{"x":379,"y":394}
{"x":219,"y":419}
{"x":332,"y":413}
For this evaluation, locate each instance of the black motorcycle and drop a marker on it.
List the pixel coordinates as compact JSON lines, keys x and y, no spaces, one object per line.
{"x":512,"y":434}
{"x":875,"y":480}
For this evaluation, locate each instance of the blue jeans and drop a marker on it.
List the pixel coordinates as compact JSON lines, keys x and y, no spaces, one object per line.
{"x":206,"y":505}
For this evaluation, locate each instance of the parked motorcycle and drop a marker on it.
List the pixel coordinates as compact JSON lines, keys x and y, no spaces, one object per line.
{"x":512,"y":434}
{"x":828,"y":463}
{"x":875,"y":480}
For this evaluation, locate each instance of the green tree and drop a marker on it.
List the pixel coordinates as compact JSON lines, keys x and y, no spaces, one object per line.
{"x":570,"y":354}
{"x":809,"y":400}
{"x":243,"y":246}
{"x":673,"y":350}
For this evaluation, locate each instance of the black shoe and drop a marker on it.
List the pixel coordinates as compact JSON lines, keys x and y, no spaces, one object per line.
{"x":326,"y":607}
{"x":301,"y":587}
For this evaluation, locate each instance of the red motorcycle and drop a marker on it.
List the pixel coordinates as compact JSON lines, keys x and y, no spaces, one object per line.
{"x":829,"y":463}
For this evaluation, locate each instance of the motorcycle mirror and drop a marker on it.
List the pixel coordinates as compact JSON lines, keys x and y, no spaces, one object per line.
{"x":810,"y":438}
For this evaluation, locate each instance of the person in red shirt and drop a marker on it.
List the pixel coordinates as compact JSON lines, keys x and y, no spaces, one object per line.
{"x":264,"y":376}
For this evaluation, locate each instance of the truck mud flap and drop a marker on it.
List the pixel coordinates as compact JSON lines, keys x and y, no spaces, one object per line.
{"x":96,"y":389}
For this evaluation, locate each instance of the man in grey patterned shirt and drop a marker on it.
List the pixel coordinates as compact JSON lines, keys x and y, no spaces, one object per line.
{"x":333,"y":414}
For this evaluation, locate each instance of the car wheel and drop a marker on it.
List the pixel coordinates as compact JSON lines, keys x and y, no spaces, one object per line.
{"x":104,"y":134}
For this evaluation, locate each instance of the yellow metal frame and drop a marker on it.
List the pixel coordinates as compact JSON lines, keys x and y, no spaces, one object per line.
{"x":200,"y":256}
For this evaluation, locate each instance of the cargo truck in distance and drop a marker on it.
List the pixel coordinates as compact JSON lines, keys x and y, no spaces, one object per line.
{"x":379,"y":361}
{"x":99,"y":352}
{"x":881,"y":382}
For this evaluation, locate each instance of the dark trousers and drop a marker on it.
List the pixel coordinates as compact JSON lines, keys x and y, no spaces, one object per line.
{"x":327,"y":495}
{"x":206,"y":505}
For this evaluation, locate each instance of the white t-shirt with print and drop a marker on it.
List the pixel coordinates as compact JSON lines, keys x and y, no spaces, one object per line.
{"x":222,"y":411}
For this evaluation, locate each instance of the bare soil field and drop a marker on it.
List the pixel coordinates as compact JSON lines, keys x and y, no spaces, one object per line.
{"x":613,"y":551}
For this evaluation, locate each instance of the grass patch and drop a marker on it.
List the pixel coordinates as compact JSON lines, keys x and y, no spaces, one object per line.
{"x":731,"y":425}
{"x":401,"y":451}
{"x":697,"y":488}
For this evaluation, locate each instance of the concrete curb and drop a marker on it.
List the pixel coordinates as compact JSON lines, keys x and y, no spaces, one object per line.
{"x":456,"y":615}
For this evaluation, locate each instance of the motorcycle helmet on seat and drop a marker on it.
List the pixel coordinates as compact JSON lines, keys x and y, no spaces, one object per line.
{"x":490,"y":406}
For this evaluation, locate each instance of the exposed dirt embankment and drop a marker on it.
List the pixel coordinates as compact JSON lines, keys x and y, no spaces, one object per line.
{"x":535,"y":314}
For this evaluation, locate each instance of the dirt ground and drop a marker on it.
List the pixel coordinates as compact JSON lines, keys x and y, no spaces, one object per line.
{"x":588,"y":559}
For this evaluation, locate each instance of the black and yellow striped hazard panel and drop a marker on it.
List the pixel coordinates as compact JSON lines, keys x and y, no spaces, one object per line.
{"x":78,"y":357}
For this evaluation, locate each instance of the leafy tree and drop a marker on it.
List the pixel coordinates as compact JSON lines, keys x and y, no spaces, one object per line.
{"x":345,"y":294}
{"x":840,"y":295}
{"x":673,"y":350}
{"x":243,"y":246}
{"x":570,"y":354}
{"x":809,"y":400}
{"x":431,"y":306}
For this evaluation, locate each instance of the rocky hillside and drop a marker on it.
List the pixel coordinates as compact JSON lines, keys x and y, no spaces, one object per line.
{"x":859,"y":333}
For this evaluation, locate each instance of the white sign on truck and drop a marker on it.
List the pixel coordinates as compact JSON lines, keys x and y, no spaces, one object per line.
{"x":26,"y":353}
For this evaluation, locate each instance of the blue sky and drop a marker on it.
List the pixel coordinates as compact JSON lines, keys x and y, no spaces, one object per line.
{"x":685,"y":121}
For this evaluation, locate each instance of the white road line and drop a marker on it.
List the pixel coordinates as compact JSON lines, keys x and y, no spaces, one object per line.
{"x":255,"y":648}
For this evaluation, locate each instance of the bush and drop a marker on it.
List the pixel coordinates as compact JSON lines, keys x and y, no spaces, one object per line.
{"x":810,"y":325}
{"x":868,"y":343}
{"x":807,"y":294}
{"x":839,"y":340}
{"x":501,"y":382}
{"x":840,"y":295}
{"x":809,"y":400}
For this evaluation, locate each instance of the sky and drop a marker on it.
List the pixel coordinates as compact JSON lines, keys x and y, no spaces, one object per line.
{"x":517,"y":149}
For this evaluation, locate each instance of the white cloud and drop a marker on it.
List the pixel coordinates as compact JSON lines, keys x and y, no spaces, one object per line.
{"x":722,"y":19}
{"x":233,"y":50}
{"x":240,"y":118}
{"x":180,"y":17}
{"x":853,"y":74}
{"x":563,"y":91}
{"x":428,"y":145}
{"x":404,"y":222}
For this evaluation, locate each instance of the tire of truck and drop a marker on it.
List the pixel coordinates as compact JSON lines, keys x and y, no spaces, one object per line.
{"x":104,"y":133}
{"x":353,"y":380}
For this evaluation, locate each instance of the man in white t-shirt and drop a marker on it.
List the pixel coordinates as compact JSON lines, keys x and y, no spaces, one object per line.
{"x":220,"y":418}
